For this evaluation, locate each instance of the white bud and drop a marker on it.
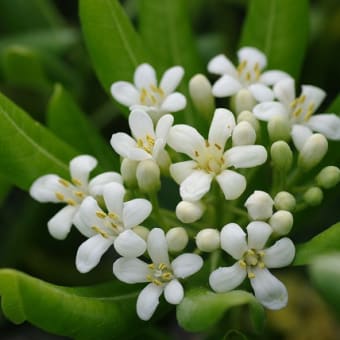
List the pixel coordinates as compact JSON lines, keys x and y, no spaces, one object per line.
{"x":285,"y":201}
{"x":128,"y":169}
{"x":259,"y":205}
{"x":328,"y":177}
{"x":281,"y":155}
{"x":141,"y":231}
{"x":189,"y":212}
{"x":148,"y":176}
{"x":281,"y":222}
{"x":243,"y":134}
{"x":247,"y":116}
{"x":177,"y":239}
{"x":164,"y":162}
{"x":313,"y":196}
{"x":243,"y":100}
{"x":208,"y":240}
{"x":201,"y":95}
{"x":312,"y":152}
{"x":279,"y":128}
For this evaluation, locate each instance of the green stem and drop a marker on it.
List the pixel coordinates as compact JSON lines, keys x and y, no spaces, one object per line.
{"x":156,"y":212}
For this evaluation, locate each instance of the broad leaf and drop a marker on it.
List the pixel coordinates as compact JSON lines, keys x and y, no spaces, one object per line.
{"x":28,"y":150}
{"x":202,"y":309}
{"x":335,"y":106}
{"x":326,"y":242}
{"x":104,"y":311}
{"x":280,"y":30}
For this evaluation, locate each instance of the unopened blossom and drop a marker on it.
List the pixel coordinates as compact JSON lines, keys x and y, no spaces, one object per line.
{"x":110,"y":227}
{"x":247,"y":75}
{"x":253,"y":259}
{"x":210,"y":159}
{"x":156,"y":99}
{"x":299,"y":111}
{"x":259,"y":205}
{"x":163,"y":276}
{"x":53,"y":188}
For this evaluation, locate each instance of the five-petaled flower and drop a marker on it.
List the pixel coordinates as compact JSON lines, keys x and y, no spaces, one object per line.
{"x":161,"y":274}
{"x":253,"y":260}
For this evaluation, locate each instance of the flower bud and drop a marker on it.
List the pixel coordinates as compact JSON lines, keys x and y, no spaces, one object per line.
{"x":313,"y":196}
{"x":201,"y":95}
{"x":313,"y":151}
{"x":282,"y":156}
{"x":208,"y":240}
{"x":189,"y":212}
{"x":148,"y":176}
{"x":279,"y":128}
{"x":177,"y":239}
{"x":281,"y":222}
{"x":259,"y":205}
{"x":328,"y":177}
{"x":285,"y":201}
{"x":243,"y":100}
{"x":243,"y":134}
{"x":164,"y":162}
{"x":247,"y":116}
{"x":141,"y":231}
{"x":128,"y":169}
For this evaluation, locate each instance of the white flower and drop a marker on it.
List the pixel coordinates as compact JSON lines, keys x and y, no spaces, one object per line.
{"x":162,"y":275}
{"x":155,"y":99}
{"x":299,"y":111}
{"x":112,"y":227}
{"x":210,"y":160}
{"x":259,"y":205}
{"x":247,"y":75}
{"x":253,"y":260}
{"x":52,"y":188}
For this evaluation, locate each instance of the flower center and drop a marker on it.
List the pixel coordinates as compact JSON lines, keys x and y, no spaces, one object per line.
{"x":250,"y":259}
{"x":146,"y":144}
{"x":301,"y":110}
{"x":159,"y":274}
{"x":248,"y":73}
{"x":210,"y":158}
{"x":111,"y":226}
{"x":153,"y":96}
{"x":71,"y":193}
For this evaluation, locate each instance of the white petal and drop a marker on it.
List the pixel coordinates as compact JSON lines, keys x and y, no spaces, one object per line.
{"x":145,"y":76}
{"x":327,"y":124}
{"x":186,"y":264}
{"x":173,"y":292}
{"x":226,"y":86}
{"x":135,"y":212}
{"x":129,"y":244}
{"x":281,"y":254}
{"x":284,"y":91}
{"x":60,"y":224}
{"x":265,"y":111}
{"x":180,"y":171}
{"x":90,"y":252}
{"x":222,"y":65}
{"x":131,"y":270}
{"x":148,"y":300}
{"x":171,"y":79}
{"x":300,"y":133}
{"x":125,"y":93}
{"x":97,"y":183}
{"x":273,"y":76}
{"x":258,"y":234}
{"x":314,"y":95}
{"x":221,"y":127}
{"x":158,"y":246}
{"x":81,"y":166}
{"x":113,"y":194}
{"x":137,"y":154}
{"x":122,"y":143}
{"x":174,"y":102}
{"x":45,"y":187}
{"x":252,"y":55}
{"x":158,"y":148}
{"x":185,"y":139}
{"x":195,"y":186}
{"x":269,"y":290}
{"x":232,"y":184}
{"x":81,"y":223}
{"x":225,"y":279}
{"x":141,"y":124}
{"x":233,"y":240}
{"x":261,"y":92}
{"x":163,"y":126}
{"x":246,"y":156}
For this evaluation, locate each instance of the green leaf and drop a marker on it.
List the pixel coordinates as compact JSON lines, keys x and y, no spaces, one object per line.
{"x":202,"y":309}
{"x":114,"y":46}
{"x":326,"y":242}
{"x":335,"y":106}
{"x":28,"y":150}
{"x":104,"y":311}
{"x":279,"y":29}
{"x":66,"y":120}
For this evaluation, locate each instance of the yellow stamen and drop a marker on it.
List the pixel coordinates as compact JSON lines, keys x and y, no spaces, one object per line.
{"x":251,"y":275}
{"x":157,"y":282}
{"x":100,"y":214}
{"x":151,"y":266}
{"x":217,"y":146}
{"x":71,"y":202}
{"x":113,"y":216}
{"x":162,"y":266}
{"x":64,"y":183}
{"x":79,"y":194}
{"x":76,"y":182}
{"x":59,"y":196}
{"x":99,"y":231}
{"x":297,"y":112}
{"x":242,"y":264}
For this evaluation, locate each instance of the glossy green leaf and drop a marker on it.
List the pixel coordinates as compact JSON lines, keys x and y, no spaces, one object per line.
{"x":66,"y":120}
{"x":326,"y":242}
{"x":202,"y":308}
{"x":5,"y":187}
{"x":27,"y":149}
{"x":280,"y":30}
{"x":114,"y":46}
{"x":104,"y":311}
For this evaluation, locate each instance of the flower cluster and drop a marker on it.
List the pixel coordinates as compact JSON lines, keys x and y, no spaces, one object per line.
{"x":215,"y":175}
